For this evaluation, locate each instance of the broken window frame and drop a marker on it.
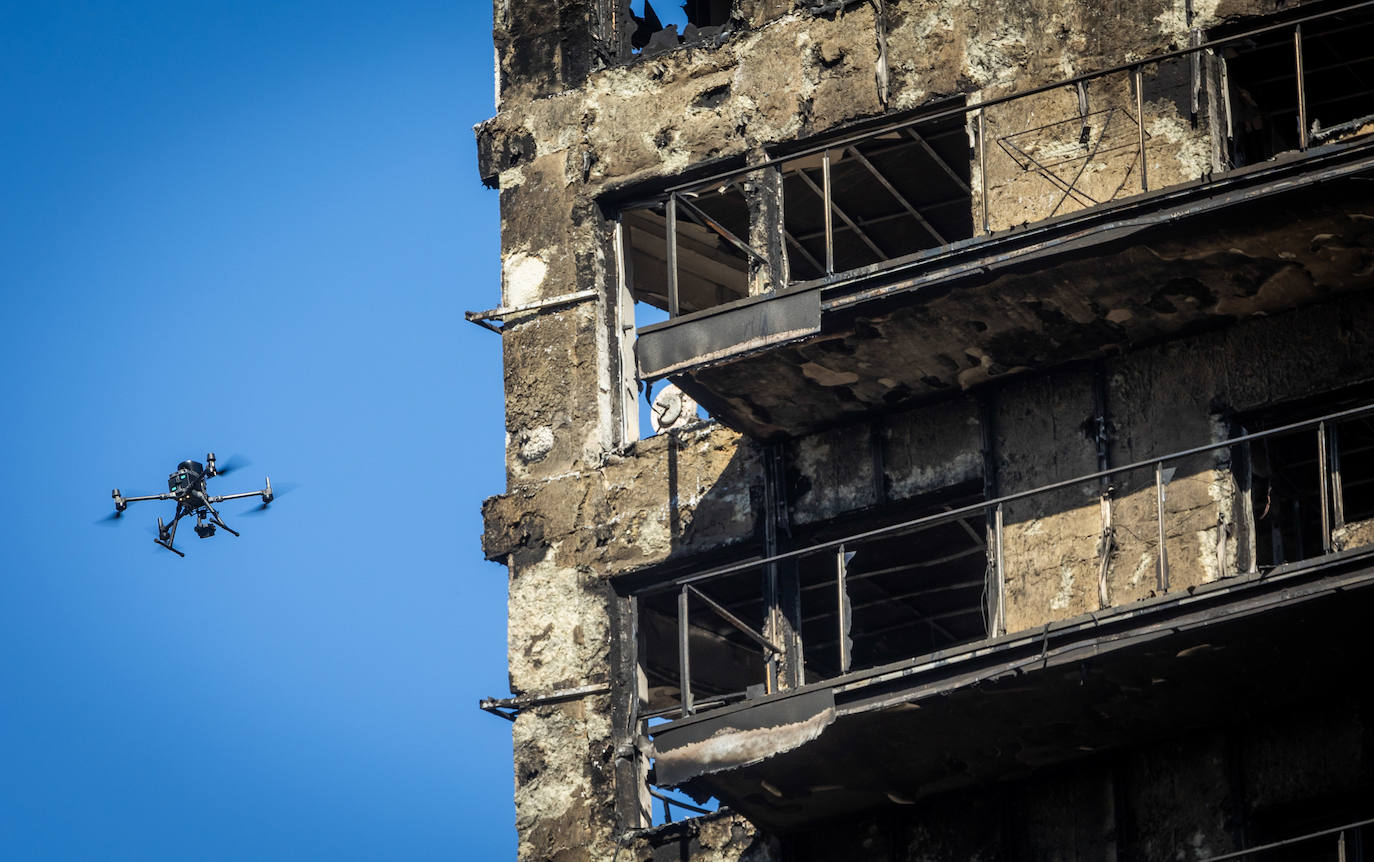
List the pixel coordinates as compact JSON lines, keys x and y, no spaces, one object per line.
{"x":1280,"y":532}
{"x":764,"y":246}
{"x":912,"y":208}
{"x":1229,"y":80}
{"x":693,"y":598}
{"x":618,"y":28}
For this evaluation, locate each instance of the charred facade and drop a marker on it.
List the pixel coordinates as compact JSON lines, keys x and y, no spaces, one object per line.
{"x":1029,"y":509}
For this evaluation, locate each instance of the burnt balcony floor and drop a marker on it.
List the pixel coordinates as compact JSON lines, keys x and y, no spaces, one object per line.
{"x":1259,"y":240}
{"x":998,"y":711}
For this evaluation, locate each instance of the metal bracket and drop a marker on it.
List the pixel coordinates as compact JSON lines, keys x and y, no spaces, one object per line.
{"x":509,"y":707}
{"x":481,"y":317}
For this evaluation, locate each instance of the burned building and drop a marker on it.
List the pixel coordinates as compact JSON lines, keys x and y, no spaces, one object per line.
{"x":1028,"y":511}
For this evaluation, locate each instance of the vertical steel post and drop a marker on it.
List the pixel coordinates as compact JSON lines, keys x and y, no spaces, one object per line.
{"x":1324,"y":480}
{"x":1159,"y":509}
{"x":1140,"y":125}
{"x":1000,"y":622}
{"x":829,"y":228}
{"x":684,"y":659}
{"x":1337,"y":489}
{"x":1302,"y":88}
{"x":1340,"y":846}
{"x":992,"y":564}
{"x":1224,"y":86}
{"x":842,"y":608}
{"x":983,"y":166}
{"x":673,"y":306}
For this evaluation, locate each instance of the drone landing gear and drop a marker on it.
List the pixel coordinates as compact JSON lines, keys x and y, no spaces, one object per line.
{"x":165,"y":534}
{"x":168,"y":546}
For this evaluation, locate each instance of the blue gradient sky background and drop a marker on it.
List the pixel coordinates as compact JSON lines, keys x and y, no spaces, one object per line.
{"x":252,"y":228}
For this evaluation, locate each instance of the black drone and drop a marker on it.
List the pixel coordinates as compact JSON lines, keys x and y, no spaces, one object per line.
{"x":186,"y":485}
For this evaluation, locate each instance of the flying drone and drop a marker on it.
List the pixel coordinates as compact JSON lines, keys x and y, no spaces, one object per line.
{"x":186,"y":485}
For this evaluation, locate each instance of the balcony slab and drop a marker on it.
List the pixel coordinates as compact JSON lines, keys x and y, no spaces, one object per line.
{"x":1275,"y":236}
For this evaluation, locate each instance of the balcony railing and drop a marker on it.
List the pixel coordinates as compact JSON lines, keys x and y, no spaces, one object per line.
{"x":906,"y":192}
{"x":1340,"y":839}
{"x":1325,"y":462}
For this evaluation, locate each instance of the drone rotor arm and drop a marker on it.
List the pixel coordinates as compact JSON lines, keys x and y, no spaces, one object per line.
{"x":149,"y":497}
{"x":121,"y":502}
{"x":220,"y":498}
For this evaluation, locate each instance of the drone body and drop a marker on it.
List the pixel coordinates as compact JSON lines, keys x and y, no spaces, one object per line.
{"x":186,"y":485}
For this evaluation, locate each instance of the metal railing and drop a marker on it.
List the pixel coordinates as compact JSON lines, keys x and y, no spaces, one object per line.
{"x":679,"y":205}
{"x":1341,"y":850}
{"x":690,"y":587}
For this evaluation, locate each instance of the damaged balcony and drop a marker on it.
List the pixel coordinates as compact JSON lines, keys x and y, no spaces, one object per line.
{"x":883,"y":661}
{"x":899,"y":263}
{"x":991,"y":714}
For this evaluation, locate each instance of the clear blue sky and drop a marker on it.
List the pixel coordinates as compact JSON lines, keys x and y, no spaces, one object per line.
{"x":251,"y":228}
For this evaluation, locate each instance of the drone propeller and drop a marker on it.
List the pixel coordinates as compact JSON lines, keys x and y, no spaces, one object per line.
{"x":276,"y":491}
{"x":232,"y":463}
{"x":111,"y":519}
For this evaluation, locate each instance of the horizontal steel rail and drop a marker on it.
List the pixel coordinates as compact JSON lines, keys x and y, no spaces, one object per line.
{"x":1288,"y":842}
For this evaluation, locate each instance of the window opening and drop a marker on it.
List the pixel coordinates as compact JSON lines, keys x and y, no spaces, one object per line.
{"x":724,"y":662}
{"x":907,"y":594}
{"x":900,"y":595}
{"x":711,"y":269}
{"x":644,"y":315}
{"x":652,"y":30}
{"x":1355,"y":451}
{"x":1288,"y":471}
{"x":710,"y":228}
{"x":1263,"y":92}
{"x":891,"y":195}
{"x":1286,"y":494}
{"x":670,"y":807}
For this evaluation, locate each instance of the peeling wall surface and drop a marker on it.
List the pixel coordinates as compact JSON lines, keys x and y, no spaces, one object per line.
{"x":593,"y":517}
